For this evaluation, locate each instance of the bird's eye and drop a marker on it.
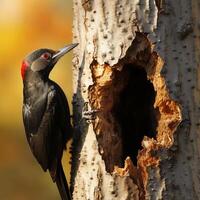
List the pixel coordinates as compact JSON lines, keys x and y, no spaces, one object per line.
{"x":46,"y":56}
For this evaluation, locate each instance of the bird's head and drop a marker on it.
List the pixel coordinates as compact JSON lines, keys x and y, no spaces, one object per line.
{"x":41,"y":61}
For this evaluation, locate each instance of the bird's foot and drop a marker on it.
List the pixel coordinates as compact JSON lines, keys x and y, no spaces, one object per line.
{"x":89,"y":115}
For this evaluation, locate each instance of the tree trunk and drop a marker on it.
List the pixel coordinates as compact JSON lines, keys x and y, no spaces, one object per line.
{"x":136,"y":77}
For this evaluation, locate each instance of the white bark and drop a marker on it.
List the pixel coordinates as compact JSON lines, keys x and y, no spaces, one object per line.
{"x":167,"y":165}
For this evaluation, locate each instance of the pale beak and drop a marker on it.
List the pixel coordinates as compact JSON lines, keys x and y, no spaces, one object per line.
{"x":63,"y":51}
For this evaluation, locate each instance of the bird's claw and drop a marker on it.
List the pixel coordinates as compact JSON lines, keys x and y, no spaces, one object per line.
{"x":89,"y":115}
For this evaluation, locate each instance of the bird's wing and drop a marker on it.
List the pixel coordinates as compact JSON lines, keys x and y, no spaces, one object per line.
{"x":33,"y":111}
{"x":46,"y":142}
{"x":64,"y":114}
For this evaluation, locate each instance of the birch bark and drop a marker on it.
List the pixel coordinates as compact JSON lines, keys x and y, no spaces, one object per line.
{"x":137,"y":69}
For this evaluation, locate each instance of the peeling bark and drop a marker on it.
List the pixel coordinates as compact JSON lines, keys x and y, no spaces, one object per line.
{"x":137,"y":76}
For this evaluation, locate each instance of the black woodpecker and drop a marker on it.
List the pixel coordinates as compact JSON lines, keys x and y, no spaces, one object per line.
{"x":46,"y":114}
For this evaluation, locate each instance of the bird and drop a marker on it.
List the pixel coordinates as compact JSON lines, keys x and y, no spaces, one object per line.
{"x":46,"y":115}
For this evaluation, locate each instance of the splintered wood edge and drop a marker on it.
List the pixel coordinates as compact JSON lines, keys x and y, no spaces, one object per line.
{"x":169,"y":110}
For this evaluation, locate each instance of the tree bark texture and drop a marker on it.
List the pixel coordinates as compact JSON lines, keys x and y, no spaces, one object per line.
{"x":136,"y":77}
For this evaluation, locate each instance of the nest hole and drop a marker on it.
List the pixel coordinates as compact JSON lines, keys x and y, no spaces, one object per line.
{"x":134,"y":110}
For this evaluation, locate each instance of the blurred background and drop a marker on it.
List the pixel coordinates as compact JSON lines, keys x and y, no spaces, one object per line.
{"x":24,"y":27}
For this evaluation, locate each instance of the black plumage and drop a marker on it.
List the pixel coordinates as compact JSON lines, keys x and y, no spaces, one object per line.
{"x":46,"y":114}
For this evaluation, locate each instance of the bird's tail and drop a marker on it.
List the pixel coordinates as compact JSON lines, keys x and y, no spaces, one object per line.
{"x":62,"y":185}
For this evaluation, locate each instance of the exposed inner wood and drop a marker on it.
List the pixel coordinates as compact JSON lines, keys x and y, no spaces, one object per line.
{"x":135,"y":110}
{"x":103,"y":98}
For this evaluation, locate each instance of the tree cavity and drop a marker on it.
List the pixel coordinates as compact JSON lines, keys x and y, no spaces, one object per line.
{"x":134,"y":110}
